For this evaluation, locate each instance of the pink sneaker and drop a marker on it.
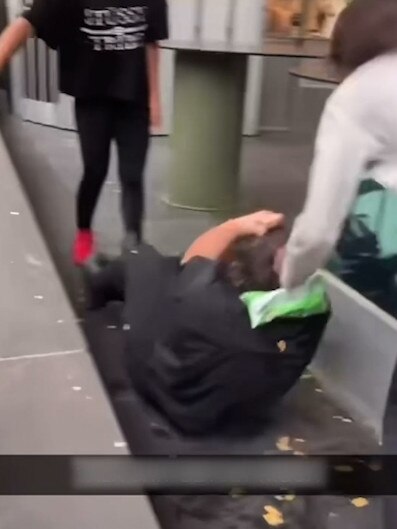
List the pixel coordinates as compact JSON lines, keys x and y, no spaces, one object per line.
{"x":83,"y":248}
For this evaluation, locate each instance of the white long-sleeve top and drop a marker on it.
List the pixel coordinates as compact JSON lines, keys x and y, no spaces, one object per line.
{"x":358,"y":127}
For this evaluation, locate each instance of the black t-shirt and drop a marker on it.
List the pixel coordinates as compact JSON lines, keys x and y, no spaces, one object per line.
{"x":192,"y":351}
{"x":101,"y":43}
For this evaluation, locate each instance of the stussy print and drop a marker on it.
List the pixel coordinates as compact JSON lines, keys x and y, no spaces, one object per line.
{"x":116,"y":28}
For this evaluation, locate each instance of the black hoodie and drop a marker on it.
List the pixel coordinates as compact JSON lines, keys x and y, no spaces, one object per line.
{"x":191,"y":349}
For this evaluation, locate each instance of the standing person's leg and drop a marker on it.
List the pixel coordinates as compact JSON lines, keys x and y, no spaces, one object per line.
{"x":95,"y":129}
{"x":132,"y":138}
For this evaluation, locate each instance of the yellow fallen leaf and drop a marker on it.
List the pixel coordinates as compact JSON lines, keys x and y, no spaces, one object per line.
{"x":360,"y":502}
{"x":282,"y":346}
{"x":297,"y":440}
{"x":273,"y":520}
{"x":273,"y":516}
{"x":287,"y":497}
{"x":344,"y":468}
{"x":283,"y":444}
{"x":298,"y":453}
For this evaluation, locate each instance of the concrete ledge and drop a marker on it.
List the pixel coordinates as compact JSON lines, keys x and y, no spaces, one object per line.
{"x":51,"y":399}
{"x":356,"y":360}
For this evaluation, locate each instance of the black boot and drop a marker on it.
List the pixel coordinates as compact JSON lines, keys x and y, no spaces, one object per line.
{"x":130,"y":243}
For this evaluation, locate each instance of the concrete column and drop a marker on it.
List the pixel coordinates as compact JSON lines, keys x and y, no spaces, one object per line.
{"x":209,"y":102}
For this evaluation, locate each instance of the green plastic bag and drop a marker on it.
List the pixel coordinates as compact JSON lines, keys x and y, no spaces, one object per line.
{"x":308,"y":300}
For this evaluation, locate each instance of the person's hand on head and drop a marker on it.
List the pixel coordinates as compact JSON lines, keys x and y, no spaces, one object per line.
{"x":259,"y":223}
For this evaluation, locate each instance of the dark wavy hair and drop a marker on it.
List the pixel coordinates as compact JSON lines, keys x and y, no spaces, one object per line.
{"x":364,"y":30}
{"x":250,"y":263}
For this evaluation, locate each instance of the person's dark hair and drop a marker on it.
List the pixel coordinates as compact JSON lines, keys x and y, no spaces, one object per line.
{"x":364,"y":30}
{"x":251,"y":262}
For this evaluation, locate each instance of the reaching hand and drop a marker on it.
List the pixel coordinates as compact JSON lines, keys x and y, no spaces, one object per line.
{"x":259,"y":223}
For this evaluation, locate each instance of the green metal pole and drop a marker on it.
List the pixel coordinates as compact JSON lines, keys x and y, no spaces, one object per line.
{"x":206,"y":140}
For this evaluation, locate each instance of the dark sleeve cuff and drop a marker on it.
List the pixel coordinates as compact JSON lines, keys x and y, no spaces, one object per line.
{"x":45,"y":16}
{"x":36,"y":14}
{"x":158,"y":22}
{"x":28,"y":15}
{"x":154,"y":39}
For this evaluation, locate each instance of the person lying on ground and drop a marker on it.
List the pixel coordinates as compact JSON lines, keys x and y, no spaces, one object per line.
{"x":209,"y":339}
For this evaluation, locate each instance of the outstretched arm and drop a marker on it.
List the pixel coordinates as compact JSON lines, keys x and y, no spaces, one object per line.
{"x":341,"y":154}
{"x":157,"y":31}
{"x":215,"y":242}
{"x":153,"y":65}
{"x":12,"y":38}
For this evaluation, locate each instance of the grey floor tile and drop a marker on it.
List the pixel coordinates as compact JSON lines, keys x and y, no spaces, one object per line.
{"x":76,"y":512}
{"x":55,"y":405}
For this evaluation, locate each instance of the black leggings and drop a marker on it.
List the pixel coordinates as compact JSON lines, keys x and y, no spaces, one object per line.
{"x":98,"y":123}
